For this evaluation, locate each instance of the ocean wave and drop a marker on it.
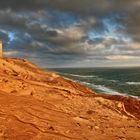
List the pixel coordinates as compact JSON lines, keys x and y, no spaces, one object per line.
{"x":136,"y":97}
{"x":89,"y":76}
{"x":133,"y":83}
{"x":81,"y":76}
{"x":102,"y":88}
{"x":113,"y":81}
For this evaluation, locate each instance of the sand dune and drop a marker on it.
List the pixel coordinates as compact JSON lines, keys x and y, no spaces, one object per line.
{"x":40,"y":105}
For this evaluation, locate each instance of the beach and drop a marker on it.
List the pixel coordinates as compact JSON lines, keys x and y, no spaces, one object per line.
{"x":37,"y":104}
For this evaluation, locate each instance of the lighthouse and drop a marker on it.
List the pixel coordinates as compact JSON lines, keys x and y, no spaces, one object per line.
{"x":1,"y":49}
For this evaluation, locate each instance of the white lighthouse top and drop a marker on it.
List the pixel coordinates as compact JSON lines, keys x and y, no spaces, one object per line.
{"x":1,"y":49}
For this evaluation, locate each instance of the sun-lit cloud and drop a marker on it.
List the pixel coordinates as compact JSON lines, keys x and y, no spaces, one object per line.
{"x":122,"y":57}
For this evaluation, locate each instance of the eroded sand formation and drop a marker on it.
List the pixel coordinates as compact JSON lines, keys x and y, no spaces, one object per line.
{"x":39,"y":105}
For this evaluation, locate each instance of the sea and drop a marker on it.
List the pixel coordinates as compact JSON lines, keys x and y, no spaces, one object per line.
{"x":116,"y":81}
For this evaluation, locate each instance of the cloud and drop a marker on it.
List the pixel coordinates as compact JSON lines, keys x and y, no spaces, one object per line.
{"x":122,"y":57}
{"x":10,"y":53}
{"x":77,"y":6}
{"x":65,"y":32}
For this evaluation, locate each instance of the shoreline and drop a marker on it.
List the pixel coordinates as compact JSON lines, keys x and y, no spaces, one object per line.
{"x":116,"y":97}
{"x":122,"y":98}
{"x":99,"y":87}
{"x":113,"y":94}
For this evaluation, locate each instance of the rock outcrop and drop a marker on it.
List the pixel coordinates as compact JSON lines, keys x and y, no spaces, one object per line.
{"x":40,"y":105}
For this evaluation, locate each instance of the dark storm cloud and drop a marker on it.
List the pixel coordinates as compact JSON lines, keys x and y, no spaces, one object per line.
{"x":92,"y":8}
{"x":79,"y":6}
{"x":84,"y":5}
{"x":8,"y":17}
{"x":70,"y":30}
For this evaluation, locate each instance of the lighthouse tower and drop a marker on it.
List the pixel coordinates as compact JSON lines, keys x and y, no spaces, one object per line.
{"x":1,"y":49}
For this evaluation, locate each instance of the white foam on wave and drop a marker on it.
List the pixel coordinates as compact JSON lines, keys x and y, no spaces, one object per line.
{"x":133,"y":83}
{"x":136,"y":97}
{"x":83,"y":76}
{"x":113,"y":81}
{"x":102,"y":88}
{"x":76,"y":75}
{"x":89,"y":76}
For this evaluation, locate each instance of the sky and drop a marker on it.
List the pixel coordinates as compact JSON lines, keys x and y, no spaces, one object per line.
{"x":72,"y":33}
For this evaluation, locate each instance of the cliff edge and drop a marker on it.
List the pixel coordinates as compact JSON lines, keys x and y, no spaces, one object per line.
{"x":40,"y":105}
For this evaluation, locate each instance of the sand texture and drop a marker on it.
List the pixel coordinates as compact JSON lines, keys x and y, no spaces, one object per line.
{"x":40,"y":105}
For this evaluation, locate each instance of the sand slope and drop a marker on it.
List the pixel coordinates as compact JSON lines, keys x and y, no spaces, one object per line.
{"x":39,"y":105}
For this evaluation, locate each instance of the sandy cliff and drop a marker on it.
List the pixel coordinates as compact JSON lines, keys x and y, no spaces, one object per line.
{"x":39,"y":105}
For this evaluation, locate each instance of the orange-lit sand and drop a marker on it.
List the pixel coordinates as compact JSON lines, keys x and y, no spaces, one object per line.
{"x":39,"y":105}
